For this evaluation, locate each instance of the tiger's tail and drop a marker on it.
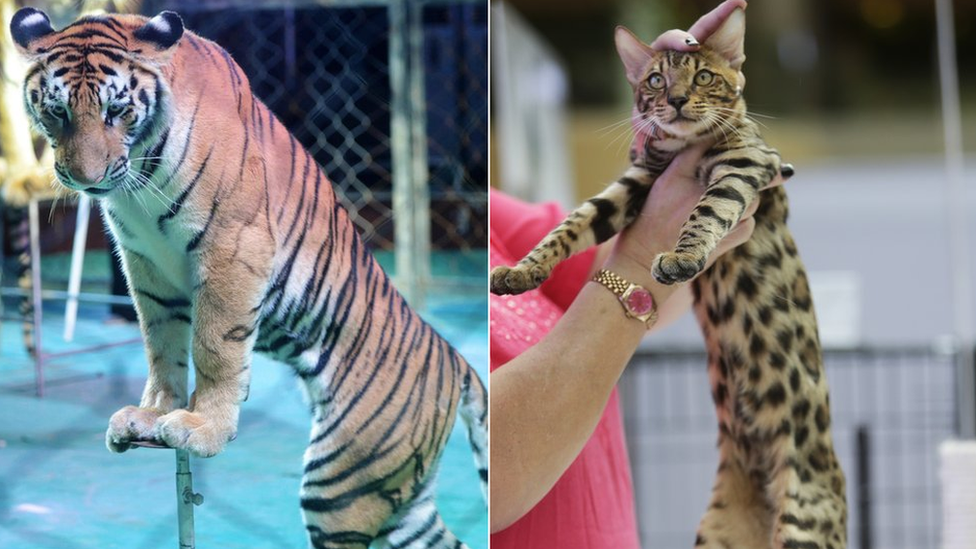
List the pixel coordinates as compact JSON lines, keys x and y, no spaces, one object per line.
{"x":474,"y":413}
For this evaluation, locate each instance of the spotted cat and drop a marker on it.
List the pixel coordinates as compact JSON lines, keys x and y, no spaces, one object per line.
{"x":779,"y":483}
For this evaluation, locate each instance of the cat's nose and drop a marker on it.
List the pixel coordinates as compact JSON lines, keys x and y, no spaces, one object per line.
{"x":677,"y":102}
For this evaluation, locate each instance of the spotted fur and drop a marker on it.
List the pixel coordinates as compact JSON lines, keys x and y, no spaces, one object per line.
{"x":779,"y":484}
{"x":233,"y":241}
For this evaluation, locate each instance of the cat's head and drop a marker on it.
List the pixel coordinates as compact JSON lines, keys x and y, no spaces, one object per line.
{"x":687,"y":94}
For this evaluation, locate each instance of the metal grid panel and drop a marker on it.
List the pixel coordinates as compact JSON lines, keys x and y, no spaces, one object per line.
{"x":455,"y":57}
{"x":900,"y":398}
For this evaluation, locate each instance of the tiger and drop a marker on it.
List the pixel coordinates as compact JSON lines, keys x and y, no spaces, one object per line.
{"x":232,"y":241}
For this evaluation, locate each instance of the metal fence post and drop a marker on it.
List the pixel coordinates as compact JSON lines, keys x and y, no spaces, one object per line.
{"x":402,"y":149}
{"x":420,"y":176}
{"x":961,"y":266}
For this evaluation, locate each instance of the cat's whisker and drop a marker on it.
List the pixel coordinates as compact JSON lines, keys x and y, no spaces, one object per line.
{"x":614,"y":126}
{"x":151,"y":188}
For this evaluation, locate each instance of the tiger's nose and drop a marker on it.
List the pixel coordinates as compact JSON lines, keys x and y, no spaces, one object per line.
{"x":88,"y":178}
{"x":677,"y":102}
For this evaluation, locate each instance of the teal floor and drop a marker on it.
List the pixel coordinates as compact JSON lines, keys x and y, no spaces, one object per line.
{"x":60,"y":488}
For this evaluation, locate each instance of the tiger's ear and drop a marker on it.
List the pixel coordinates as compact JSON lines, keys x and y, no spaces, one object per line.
{"x":729,"y":40}
{"x":27,"y":27}
{"x":162,"y":33}
{"x":634,"y":53}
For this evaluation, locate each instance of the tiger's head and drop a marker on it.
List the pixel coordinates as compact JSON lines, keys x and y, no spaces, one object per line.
{"x":95,"y":91}
{"x":687,"y":94}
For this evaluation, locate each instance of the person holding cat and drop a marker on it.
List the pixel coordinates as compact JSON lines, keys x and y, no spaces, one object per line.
{"x":560,"y":473}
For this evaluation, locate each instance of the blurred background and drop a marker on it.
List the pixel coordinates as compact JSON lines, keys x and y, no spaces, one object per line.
{"x":391,"y":98}
{"x":881,"y":207}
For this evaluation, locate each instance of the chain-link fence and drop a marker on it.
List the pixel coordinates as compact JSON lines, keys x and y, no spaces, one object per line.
{"x":890,"y":411}
{"x":390,"y":97}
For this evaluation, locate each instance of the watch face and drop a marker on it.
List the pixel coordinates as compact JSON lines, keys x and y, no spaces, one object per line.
{"x":639,"y":301}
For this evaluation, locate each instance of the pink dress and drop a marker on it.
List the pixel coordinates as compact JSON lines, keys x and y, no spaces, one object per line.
{"x":592,"y":504}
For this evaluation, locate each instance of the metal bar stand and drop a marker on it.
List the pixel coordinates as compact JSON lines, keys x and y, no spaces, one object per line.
{"x":186,"y":498}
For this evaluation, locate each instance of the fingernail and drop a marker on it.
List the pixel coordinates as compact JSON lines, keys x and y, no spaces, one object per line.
{"x":691,"y":41}
{"x":787,"y":171}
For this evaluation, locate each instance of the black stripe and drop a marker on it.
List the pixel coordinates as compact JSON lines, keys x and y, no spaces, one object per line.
{"x":195,"y":241}
{"x":728,"y":193}
{"x":169,"y":303}
{"x":178,"y":203}
{"x":419,"y":532}
{"x":741,"y":162}
{"x":601,"y":225}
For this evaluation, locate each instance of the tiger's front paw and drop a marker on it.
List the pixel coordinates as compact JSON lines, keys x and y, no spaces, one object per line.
{"x":192,"y":431}
{"x":672,"y":267}
{"x":131,"y":423}
{"x":518,"y":279}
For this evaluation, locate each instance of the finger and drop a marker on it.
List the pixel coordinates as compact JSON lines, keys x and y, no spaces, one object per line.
{"x":749,"y":211}
{"x":687,"y":161}
{"x":711,"y":21}
{"x":738,"y":236}
{"x":675,"y":39}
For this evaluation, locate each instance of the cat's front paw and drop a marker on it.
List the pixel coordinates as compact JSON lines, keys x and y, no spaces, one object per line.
{"x":192,"y":431}
{"x":518,"y":279}
{"x":131,"y":423}
{"x":672,"y":267}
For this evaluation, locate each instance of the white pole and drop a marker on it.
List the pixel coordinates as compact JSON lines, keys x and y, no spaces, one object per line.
{"x":960,"y":260}
{"x":77,"y":261}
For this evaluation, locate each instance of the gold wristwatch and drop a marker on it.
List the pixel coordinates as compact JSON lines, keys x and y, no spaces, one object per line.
{"x":637,"y":301}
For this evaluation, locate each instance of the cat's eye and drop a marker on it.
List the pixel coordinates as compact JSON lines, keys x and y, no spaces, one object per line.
{"x":704,"y":78}
{"x":59,"y":112}
{"x":656,"y":81}
{"x":115,"y":110}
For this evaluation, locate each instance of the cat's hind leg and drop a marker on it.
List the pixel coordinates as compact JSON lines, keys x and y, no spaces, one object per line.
{"x":810,"y":514}
{"x":595,"y":221}
{"x":419,"y":526}
{"x":738,"y":515}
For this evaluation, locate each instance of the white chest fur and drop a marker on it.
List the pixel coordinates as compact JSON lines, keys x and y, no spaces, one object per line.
{"x":137,"y":229}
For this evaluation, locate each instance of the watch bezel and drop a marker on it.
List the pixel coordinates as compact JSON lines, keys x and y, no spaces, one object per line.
{"x":647,"y":318}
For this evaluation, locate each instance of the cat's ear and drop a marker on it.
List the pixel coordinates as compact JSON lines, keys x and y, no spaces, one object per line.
{"x":161,"y":34}
{"x":729,"y":40}
{"x":28,"y":27}
{"x":634,"y":53}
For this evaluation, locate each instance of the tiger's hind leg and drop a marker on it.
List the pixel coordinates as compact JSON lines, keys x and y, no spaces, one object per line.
{"x":473,"y":410}
{"x":419,"y":526}
{"x":598,"y":219}
{"x":348,"y":521}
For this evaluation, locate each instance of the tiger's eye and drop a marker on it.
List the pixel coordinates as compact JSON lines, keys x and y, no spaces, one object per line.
{"x":704,"y":78}
{"x":656,"y":81}
{"x":59,"y":113}
{"x":115,"y":110}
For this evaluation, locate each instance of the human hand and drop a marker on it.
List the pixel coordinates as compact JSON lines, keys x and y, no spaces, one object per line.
{"x":706,"y":25}
{"x":667,"y":208}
